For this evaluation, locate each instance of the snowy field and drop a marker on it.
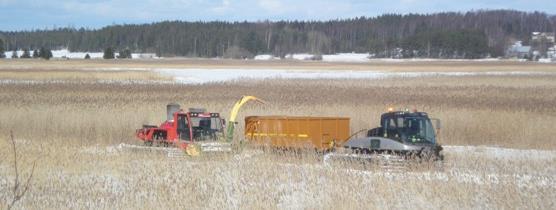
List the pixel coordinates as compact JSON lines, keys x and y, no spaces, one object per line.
{"x":64,"y":53}
{"x":199,"y":76}
{"x":211,"y":75}
{"x":339,"y":57}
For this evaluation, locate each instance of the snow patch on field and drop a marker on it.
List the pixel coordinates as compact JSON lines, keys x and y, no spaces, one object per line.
{"x":204,"y":75}
{"x":366,"y":57}
{"x":198,"y":76}
{"x":346,"y":57}
{"x":266,"y":57}
{"x":301,"y":56}
{"x":65,"y":53}
{"x":501,"y":153}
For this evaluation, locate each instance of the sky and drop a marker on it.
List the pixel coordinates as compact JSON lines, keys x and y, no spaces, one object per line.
{"x":18,"y":15}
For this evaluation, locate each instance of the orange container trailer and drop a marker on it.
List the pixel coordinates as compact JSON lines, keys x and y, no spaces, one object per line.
{"x":320,"y":133}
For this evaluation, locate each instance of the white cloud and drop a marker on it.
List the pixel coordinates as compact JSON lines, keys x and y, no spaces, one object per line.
{"x":224,"y":7}
{"x":273,"y":6}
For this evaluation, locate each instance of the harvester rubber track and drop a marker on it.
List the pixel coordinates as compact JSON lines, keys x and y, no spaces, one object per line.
{"x":176,"y":154}
{"x":384,"y":162}
{"x":171,"y":152}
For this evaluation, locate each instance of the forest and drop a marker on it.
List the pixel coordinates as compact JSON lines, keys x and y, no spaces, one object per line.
{"x":474,"y":34}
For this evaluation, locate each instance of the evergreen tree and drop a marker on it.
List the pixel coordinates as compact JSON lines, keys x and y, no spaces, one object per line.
{"x":108,"y":53}
{"x":26,"y":53}
{"x":442,"y":35}
{"x":14,"y":54}
{"x":49,"y":54}
{"x":87,"y":56}
{"x":36,"y":54}
{"x":45,"y":53}
{"x":2,"y":54}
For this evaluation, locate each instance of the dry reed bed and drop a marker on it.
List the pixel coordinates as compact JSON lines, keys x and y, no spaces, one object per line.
{"x":474,"y":110}
{"x":35,"y":75}
{"x":72,"y":127}
{"x":108,"y":178}
{"x":405,"y":65}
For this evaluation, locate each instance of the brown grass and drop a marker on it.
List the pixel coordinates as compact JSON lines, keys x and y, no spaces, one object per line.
{"x":405,"y":66}
{"x":474,"y":110}
{"x":76,"y":76}
{"x":74,"y":127}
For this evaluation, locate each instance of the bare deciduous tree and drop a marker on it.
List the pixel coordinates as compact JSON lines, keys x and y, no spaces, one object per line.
{"x":19,"y":189}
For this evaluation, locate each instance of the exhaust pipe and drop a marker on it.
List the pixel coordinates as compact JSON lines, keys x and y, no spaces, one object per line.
{"x":170,"y":110}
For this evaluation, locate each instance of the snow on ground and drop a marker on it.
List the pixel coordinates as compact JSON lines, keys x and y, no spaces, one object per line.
{"x":115,"y":182}
{"x":488,"y":152}
{"x":366,"y":57}
{"x":198,"y":76}
{"x":547,"y":60}
{"x":300,"y":56}
{"x":266,"y":57}
{"x":346,"y":57}
{"x":338,"y":57}
{"x":203,"y":75}
{"x":501,"y":153}
{"x":451,"y":172}
{"x":65,"y":53}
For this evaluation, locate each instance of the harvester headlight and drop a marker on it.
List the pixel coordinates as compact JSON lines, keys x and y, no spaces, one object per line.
{"x":390,"y":109}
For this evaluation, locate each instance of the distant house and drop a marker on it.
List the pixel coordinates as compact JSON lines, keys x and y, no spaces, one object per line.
{"x":551,"y":52}
{"x":517,"y":50}
{"x":538,"y":36}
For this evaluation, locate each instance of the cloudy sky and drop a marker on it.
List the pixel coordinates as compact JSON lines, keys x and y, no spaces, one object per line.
{"x":41,"y":14}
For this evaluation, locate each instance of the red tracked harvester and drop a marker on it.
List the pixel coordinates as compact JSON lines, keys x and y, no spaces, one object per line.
{"x":194,"y":131}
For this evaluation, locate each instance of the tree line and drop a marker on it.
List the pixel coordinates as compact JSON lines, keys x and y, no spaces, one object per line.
{"x":472,"y":34}
{"x":43,"y":53}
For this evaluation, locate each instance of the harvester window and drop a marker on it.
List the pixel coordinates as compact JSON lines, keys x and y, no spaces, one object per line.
{"x":215,"y":123}
{"x":182,"y":122}
{"x":392,"y":123}
{"x":206,"y":123}
{"x":391,"y":129}
{"x":200,"y":122}
{"x":183,"y":127}
{"x":414,"y":129}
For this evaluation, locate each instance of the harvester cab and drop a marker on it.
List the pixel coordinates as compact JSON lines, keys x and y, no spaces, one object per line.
{"x":409,"y":127}
{"x":403,"y":133}
{"x":195,"y":129}
{"x":198,"y":125}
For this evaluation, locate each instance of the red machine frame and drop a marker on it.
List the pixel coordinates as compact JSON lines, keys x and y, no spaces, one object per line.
{"x":167,"y":132}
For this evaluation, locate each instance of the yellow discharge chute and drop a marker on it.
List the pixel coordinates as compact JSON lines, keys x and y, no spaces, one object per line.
{"x":235,"y":111}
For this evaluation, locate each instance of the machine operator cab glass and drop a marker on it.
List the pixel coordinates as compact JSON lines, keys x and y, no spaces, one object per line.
{"x":415,"y":128}
{"x":204,"y":127}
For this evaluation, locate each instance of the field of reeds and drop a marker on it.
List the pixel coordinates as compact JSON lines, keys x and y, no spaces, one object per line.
{"x":73,"y":130}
